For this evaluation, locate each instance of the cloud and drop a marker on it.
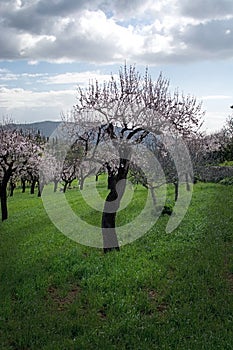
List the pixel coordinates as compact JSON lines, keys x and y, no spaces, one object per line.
{"x":91,"y":37}
{"x":10,"y":47}
{"x":77,"y":78}
{"x":216,"y":97}
{"x":3,"y":71}
{"x":7,"y":76}
{"x":22,"y":98}
{"x":211,"y":39}
{"x":104,"y":31}
{"x":208,"y":9}
{"x":24,"y":103}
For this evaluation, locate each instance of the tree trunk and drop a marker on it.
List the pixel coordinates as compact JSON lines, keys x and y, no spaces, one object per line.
{"x":33,"y":184}
{"x":81,"y":183}
{"x":116,"y":184}
{"x":110,"y":240}
{"x":12,"y":187}
{"x":152,"y":191}
{"x":4,"y":201}
{"x":4,"y":183}
{"x":65,"y":187}
{"x":55,"y":186}
{"x":176,"y":184}
{"x":23,"y":182}
{"x":187,"y":182}
{"x":40,"y":188}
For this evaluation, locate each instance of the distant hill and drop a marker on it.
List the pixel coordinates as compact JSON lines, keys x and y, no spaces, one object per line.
{"x":45,"y":128}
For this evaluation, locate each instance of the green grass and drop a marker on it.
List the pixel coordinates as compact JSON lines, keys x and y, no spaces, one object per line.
{"x":163,"y":291}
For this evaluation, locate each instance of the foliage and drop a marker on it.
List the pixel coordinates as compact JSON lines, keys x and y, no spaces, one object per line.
{"x":227,"y":181}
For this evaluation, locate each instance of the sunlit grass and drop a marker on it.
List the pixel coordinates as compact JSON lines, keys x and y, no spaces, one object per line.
{"x":163,"y":291}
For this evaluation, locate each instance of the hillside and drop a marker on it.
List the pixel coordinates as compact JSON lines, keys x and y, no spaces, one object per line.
{"x":46,"y":128}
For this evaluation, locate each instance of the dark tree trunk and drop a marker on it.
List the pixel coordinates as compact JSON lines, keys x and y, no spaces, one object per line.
{"x":65,"y":186}
{"x":33,"y":184}
{"x":116,"y":184}
{"x":110,"y":240}
{"x":23,"y":182}
{"x":96,"y":177}
{"x":4,"y":201}
{"x":40,"y":188}
{"x":176,"y":184}
{"x":12,"y":187}
{"x":4,"y":183}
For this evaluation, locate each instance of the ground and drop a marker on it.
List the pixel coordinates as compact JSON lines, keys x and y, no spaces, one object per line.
{"x":163,"y":291}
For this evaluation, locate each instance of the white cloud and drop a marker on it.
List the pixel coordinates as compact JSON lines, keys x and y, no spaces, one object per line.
{"x":81,"y":78}
{"x":216,"y":97}
{"x":33,"y":62}
{"x":16,"y":98}
{"x":7,"y":76}
{"x":3,"y":70}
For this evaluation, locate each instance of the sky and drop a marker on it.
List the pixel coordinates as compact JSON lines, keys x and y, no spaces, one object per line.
{"x":48,"y":48}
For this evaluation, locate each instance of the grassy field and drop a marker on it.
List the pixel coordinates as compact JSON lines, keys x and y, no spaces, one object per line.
{"x":163,"y":291}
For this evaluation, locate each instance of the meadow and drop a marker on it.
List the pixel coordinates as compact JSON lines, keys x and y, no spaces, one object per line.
{"x":163,"y":291}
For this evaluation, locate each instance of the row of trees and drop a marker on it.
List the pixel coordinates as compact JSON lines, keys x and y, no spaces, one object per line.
{"x":116,"y":117}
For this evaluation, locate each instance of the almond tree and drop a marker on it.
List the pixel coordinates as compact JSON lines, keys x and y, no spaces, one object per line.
{"x":125,"y":111}
{"x":68,"y":174}
{"x":16,"y":150}
{"x":226,"y":140}
{"x":83,"y":154}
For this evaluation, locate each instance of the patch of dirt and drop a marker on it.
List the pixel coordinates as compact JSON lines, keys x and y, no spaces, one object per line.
{"x":102,"y":314}
{"x":160,"y":305}
{"x":153,"y":294}
{"x":62,"y":302}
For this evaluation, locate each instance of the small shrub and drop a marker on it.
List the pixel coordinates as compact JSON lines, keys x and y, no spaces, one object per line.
{"x":228,"y":181}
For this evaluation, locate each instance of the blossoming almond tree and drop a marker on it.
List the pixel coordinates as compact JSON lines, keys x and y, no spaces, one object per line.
{"x":126,"y":110}
{"x":226,"y":140}
{"x":16,"y":150}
